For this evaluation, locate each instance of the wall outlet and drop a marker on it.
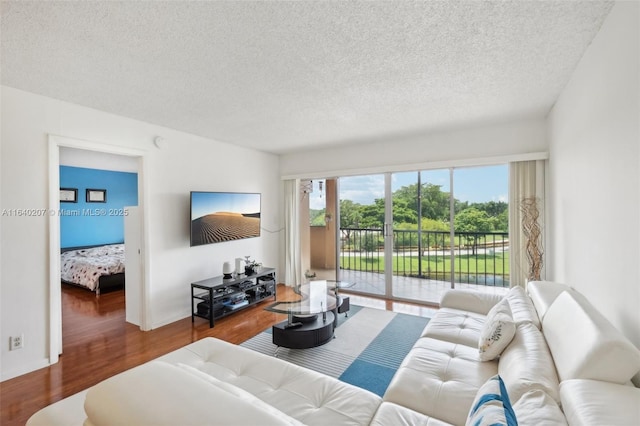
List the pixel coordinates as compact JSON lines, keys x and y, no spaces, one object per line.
{"x":17,"y":342}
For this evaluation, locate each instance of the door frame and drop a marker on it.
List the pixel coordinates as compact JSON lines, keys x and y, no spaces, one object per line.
{"x":387,"y":232}
{"x":55,"y":142}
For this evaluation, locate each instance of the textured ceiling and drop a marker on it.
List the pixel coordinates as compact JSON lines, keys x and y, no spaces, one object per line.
{"x":287,"y":76}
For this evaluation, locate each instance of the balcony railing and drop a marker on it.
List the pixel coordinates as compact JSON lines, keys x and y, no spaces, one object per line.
{"x":478,"y":257}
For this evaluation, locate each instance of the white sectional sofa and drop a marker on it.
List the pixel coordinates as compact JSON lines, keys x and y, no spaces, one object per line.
{"x":566,"y":364}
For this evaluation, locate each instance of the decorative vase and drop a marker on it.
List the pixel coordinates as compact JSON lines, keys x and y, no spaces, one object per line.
{"x":239,"y":267}
{"x":226,"y":270}
{"x":249,"y":270}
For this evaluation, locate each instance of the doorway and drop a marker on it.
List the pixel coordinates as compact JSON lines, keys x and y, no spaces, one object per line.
{"x":56,"y":143}
{"x":319,"y":225}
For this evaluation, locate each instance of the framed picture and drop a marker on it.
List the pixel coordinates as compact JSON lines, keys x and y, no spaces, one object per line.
{"x":68,"y":195}
{"x":96,"y":195}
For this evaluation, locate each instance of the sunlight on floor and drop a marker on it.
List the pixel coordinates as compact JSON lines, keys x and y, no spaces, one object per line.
{"x":408,"y":288}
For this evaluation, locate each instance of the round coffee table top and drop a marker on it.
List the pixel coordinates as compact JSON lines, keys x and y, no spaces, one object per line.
{"x":316,"y":296}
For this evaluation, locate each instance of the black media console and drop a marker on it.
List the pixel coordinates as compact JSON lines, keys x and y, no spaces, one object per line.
{"x":217,"y":297}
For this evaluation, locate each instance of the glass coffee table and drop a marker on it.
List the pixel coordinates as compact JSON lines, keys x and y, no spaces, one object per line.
{"x":311,"y":320}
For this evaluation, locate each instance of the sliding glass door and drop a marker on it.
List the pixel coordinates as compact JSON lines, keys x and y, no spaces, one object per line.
{"x":413,"y":235}
{"x":361,"y":244}
{"x":421,"y":235}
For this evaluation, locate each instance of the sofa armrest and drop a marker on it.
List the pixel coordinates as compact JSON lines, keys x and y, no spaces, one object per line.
{"x":544,"y":293}
{"x":585,"y":345}
{"x":469,"y":300}
{"x":66,"y":412}
{"x":161,"y":394}
{"x":592,"y":402}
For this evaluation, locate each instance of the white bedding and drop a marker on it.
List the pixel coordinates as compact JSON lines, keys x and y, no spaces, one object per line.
{"x":85,"y":266}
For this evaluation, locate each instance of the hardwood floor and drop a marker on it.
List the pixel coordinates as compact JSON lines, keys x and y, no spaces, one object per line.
{"x":98,"y":343}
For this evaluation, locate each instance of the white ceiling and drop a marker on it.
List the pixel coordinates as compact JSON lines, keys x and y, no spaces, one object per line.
{"x":287,"y":76}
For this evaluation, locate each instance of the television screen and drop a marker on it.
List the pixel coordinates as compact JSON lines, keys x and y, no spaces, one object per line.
{"x":224,"y":216}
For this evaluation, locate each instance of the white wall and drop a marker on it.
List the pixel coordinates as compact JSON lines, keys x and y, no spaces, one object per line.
{"x":594,"y":174}
{"x":187,"y":163}
{"x":444,"y":149}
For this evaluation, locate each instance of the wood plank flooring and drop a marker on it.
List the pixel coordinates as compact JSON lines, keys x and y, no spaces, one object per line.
{"x":98,"y":343}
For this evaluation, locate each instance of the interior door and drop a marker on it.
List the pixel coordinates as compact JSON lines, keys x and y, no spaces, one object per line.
{"x":133,"y":264}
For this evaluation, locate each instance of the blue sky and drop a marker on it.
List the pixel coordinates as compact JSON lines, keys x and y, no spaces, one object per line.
{"x":473,"y":184}
{"x":204,"y":203}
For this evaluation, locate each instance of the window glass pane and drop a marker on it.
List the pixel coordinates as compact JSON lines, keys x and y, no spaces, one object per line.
{"x":317,"y":202}
{"x":481,"y":226}
{"x":361,"y":245}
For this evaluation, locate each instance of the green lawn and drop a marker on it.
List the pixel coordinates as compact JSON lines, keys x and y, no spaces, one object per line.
{"x":497,"y":263}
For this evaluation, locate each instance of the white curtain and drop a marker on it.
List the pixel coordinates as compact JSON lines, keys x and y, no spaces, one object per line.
{"x":292,"y":262}
{"x":526,"y":181}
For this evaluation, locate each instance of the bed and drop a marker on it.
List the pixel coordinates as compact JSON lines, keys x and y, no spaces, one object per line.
{"x":96,"y":268}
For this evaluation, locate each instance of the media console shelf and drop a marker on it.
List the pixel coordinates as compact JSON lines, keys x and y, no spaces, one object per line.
{"x":217,"y":297}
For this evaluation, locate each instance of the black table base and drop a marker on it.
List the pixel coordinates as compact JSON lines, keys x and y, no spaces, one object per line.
{"x":305,"y":335}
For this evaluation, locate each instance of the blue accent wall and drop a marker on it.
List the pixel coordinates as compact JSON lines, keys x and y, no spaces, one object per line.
{"x":84,"y":224}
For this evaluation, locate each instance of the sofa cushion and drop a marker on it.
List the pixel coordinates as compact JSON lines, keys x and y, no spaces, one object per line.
{"x":397,"y":415}
{"x":497,"y":331}
{"x":538,"y":408}
{"x":522,"y":308}
{"x":159,"y":393}
{"x":544,"y":293}
{"x":585,"y":345}
{"x":469,"y":300}
{"x":491,"y":406}
{"x":439,"y":379}
{"x":455,"y":326}
{"x":240,"y":393}
{"x":308,"y":396}
{"x":526,"y":364}
{"x":592,"y":402}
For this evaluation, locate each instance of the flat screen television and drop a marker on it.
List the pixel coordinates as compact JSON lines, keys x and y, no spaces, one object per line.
{"x":224,"y":216}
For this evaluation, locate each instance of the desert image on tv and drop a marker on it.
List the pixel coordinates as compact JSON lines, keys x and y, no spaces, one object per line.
{"x":224,"y":226}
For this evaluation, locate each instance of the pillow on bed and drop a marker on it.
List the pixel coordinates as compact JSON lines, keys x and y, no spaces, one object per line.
{"x":497,"y":332}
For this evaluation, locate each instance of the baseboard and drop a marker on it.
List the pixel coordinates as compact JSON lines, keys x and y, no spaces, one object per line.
{"x":169,"y":320}
{"x":24,"y":369}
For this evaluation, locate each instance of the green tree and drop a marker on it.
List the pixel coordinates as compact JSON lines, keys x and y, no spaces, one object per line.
{"x":404,"y":212}
{"x":434,"y":225}
{"x":316,"y":217}
{"x":498,"y":211}
{"x":373,"y":215}
{"x":370,"y":242}
{"x":350,"y":217}
{"x":429,"y":237}
{"x":405,"y":198}
{"x":502,"y":222}
{"x":473,"y":220}
{"x":350,"y":214}
{"x":435,"y":202}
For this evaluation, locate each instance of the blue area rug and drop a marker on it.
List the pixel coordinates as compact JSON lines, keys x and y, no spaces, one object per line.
{"x":368,"y":348}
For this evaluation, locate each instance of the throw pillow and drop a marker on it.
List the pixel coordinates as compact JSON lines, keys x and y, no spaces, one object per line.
{"x":522,"y":309}
{"x":491,"y":405}
{"x":497,"y":332}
